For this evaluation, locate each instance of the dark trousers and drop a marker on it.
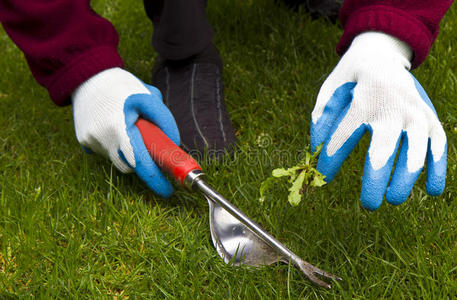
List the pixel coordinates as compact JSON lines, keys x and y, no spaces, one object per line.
{"x":181,"y":28}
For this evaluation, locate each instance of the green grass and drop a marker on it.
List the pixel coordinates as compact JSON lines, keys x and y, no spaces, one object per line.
{"x":72,"y":226}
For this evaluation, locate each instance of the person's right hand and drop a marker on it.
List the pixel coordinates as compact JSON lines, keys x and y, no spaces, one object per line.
{"x":106,"y":108}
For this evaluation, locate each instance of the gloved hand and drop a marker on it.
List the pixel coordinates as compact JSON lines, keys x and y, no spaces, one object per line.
{"x":372,"y":90}
{"x":105,"y":110}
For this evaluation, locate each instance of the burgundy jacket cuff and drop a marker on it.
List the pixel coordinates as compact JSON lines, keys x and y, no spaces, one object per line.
{"x":79,"y":70}
{"x":391,"y":21}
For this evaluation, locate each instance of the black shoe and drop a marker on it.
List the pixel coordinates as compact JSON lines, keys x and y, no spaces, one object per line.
{"x":318,"y":8}
{"x":193,"y":91}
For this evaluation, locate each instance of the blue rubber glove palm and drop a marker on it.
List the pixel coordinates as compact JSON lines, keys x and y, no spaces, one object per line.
{"x":106,"y":108}
{"x":372,"y":90}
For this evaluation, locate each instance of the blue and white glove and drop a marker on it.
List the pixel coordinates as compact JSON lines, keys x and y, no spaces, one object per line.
{"x":105,"y":109}
{"x":371,"y":89}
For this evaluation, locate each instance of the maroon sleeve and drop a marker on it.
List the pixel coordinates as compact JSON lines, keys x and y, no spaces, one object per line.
{"x":64,"y":41}
{"x":415,"y":22}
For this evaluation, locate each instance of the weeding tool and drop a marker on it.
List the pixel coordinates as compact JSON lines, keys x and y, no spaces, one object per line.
{"x":236,"y":238}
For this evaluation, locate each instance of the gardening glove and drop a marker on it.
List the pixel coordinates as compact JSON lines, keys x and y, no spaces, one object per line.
{"x":372,"y":90}
{"x":105,"y":109}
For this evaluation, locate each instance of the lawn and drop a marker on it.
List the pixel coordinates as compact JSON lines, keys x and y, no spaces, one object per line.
{"x":72,"y":226}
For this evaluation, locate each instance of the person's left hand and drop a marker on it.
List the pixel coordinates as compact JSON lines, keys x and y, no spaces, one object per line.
{"x":372,"y":90}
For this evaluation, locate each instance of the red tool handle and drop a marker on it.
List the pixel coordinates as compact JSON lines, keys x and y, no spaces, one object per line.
{"x":165,"y":153}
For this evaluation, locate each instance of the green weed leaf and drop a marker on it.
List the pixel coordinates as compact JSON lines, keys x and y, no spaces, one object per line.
{"x":281,"y":172}
{"x":318,"y":180}
{"x":295,"y":191}
{"x":266,"y":184}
